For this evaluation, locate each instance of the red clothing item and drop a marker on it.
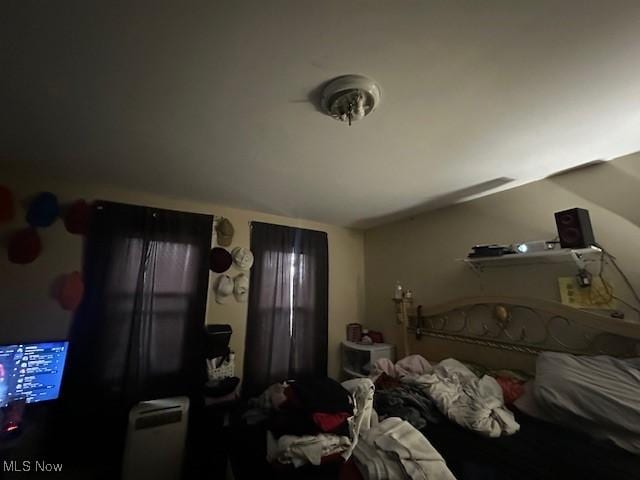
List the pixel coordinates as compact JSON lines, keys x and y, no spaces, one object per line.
{"x":512,"y":389}
{"x":328,"y":422}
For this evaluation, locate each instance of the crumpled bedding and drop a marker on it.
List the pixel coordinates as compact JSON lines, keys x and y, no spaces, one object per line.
{"x":300,"y":450}
{"x":471,"y":402}
{"x":409,"y":401}
{"x":364,"y":416}
{"x":408,"y":366}
{"x":394,"y":450}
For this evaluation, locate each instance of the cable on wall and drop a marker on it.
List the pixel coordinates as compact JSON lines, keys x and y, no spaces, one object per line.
{"x":605,"y":255}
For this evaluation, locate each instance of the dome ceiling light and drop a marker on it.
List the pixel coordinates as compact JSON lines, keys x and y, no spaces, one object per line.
{"x":350,"y":97}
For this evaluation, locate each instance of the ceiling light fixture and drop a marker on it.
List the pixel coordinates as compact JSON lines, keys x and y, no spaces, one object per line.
{"x":350,"y":97}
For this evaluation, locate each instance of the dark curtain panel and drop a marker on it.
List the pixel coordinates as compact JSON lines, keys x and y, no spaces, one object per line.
{"x":287,"y":321}
{"x":138,"y":333}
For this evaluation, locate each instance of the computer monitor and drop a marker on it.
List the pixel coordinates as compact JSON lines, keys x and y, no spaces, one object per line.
{"x":32,"y":371}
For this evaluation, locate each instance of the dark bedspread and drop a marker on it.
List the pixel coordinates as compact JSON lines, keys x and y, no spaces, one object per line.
{"x":540,"y":450}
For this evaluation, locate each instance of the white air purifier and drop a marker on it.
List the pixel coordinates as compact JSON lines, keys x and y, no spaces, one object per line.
{"x":156,"y":436}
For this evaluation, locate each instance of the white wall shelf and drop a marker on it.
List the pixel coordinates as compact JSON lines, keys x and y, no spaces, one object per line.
{"x":562,"y":255}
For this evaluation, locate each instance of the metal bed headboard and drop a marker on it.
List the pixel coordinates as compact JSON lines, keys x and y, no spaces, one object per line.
{"x":518,"y":325}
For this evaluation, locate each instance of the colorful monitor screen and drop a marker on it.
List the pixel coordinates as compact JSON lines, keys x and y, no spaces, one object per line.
{"x":32,"y":371}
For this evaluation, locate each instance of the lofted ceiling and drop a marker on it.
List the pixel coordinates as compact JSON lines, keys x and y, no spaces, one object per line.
{"x":217,"y":100}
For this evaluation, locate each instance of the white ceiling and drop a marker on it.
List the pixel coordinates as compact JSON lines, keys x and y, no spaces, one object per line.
{"x":211,"y":100}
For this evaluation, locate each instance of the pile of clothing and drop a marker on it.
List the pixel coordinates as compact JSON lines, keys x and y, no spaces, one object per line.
{"x":314,"y":420}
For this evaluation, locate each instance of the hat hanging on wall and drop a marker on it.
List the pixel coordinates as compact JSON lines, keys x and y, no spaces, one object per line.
{"x":241,"y":287}
{"x":76,"y":220}
{"x":219,"y":260}
{"x":7,"y":208}
{"x":242,"y":258}
{"x":224,"y":231}
{"x":224,"y":289}
{"x":71,"y":291}
{"x":43,"y":210}
{"x":24,"y":246}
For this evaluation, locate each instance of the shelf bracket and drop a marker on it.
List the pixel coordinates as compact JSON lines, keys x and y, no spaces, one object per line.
{"x":477,"y":269}
{"x":577,"y":258}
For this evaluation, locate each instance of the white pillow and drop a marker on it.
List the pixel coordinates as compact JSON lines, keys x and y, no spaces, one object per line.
{"x":528,"y":404}
{"x":600,"y":395}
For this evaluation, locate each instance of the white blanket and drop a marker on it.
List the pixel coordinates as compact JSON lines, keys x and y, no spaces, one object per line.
{"x":474,"y":403}
{"x":376,"y":464}
{"x":394,"y":449}
{"x":300,"y":450}
{"x":362,"y":391}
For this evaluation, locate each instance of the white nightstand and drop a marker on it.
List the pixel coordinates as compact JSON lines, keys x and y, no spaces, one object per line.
{"x":358,"y":358}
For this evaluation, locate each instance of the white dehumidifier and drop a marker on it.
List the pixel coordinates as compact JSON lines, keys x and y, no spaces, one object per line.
{"x":156,"y":436}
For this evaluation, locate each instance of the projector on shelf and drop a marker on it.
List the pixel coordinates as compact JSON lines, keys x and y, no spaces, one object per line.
{"x":534,"y":246}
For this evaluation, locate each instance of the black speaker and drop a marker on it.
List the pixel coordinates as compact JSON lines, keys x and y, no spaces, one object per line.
{"x":574,"y":228}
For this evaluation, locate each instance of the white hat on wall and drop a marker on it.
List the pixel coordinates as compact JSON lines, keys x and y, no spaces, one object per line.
{"x":223,"y":289}
{"x":241,"y":288}
{"x":242,"y":258}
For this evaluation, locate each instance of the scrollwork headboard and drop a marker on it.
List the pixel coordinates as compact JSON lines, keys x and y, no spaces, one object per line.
{"x":504,"y":332}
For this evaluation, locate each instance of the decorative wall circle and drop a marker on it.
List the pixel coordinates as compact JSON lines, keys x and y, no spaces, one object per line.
{"x":43,"y":210}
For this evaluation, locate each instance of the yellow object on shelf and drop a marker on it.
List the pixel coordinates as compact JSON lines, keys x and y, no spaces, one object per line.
{"x":599,"y":295}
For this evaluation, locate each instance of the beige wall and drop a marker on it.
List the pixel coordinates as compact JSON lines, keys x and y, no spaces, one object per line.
{"x":421,"y":252}
{"x":27,"y":310}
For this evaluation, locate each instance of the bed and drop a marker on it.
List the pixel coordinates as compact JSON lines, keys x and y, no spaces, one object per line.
{"x":502,"y":333}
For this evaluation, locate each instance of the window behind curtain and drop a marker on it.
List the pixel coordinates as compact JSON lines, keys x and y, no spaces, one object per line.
{"x":138,"y":332}
{"x":287,"y":320}
{"x":166,"y":303}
